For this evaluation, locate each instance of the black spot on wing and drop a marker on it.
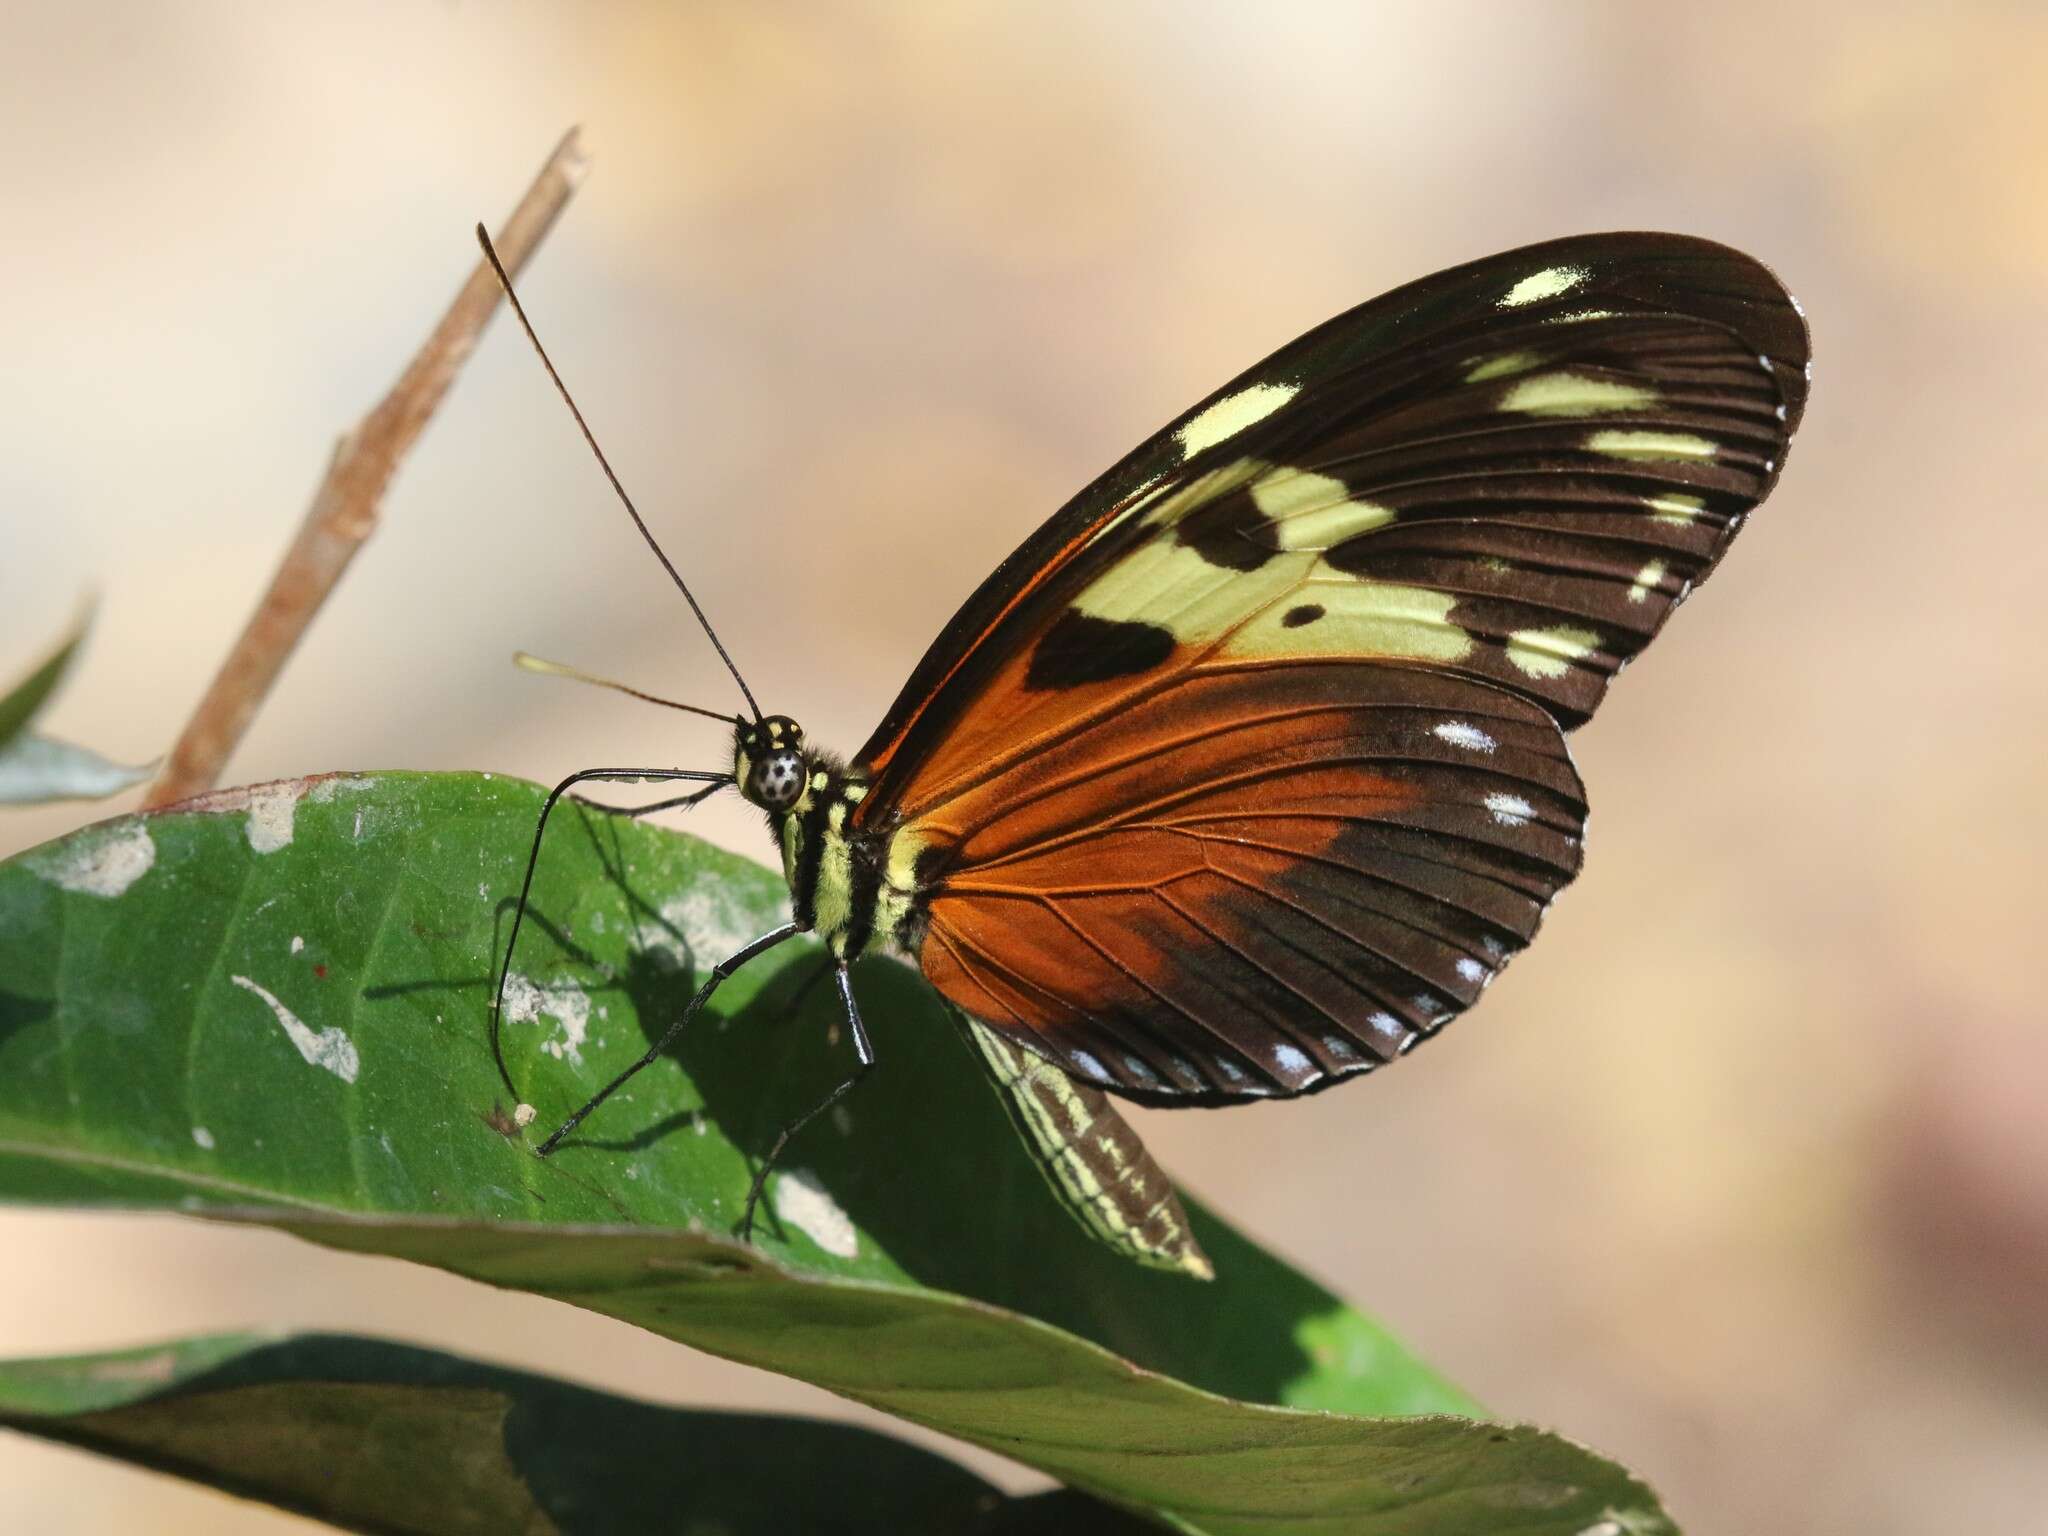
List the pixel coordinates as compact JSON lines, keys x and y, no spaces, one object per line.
{"x":1300,"y":614}
{"x":1230,"y":532}
{"x":1080,"y":648}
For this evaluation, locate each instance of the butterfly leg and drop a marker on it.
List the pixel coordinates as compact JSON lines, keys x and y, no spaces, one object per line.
{"x":719,"y":972}
{"x":713,"y":782}
{"x":673,"y":803}
{"x":863,"y":1050}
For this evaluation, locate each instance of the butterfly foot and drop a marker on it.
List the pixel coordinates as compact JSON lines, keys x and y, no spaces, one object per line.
{"x":754,"y":1192}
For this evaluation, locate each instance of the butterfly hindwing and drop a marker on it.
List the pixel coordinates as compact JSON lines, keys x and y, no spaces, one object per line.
{"x":1248,"y":769}
{"x":1256,"y":882}
{"x":1093,"y":1160}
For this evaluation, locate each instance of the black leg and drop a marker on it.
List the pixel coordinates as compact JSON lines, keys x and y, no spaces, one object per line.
{"x":719,"y":972}
{"x":863,"y":1050}
{"x":712,"y":783}
{"x":678,"y":802}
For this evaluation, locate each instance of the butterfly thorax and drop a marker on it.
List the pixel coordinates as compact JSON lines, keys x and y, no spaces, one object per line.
{"x":840,"y":878}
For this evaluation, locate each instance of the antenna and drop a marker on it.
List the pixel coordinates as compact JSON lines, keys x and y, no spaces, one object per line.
{"x":483,"y":239}
{"x":545,"y":668}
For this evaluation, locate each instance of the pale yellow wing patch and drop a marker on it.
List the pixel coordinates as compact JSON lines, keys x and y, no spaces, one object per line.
{"x":1266,"y":611}
{"x":1232,"y":415}
{"x":1340,"y":615}
{"x":1575,"y":394}
{"x":1551,"y":652}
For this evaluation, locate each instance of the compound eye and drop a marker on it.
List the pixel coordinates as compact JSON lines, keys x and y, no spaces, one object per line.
{"x":779,"y":780}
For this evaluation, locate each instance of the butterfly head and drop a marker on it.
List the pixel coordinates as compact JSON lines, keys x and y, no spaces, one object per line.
{"x":770,"y":764}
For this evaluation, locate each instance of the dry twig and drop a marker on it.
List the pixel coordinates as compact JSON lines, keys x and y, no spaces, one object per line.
{"x":345,"y":509}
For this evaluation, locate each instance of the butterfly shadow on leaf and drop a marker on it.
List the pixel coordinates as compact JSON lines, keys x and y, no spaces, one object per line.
{"x":936,"y":1182}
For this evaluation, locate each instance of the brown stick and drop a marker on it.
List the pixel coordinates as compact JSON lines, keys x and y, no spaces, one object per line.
{"x":345,"y":509}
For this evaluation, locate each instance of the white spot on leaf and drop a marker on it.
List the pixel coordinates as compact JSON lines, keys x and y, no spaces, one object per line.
{"x":202,"y":1138}
{"x":331,"y":1049}
{"x":298,"y":943}
{"x":272,"y":808}
{"x":324,"y":790}
{"x":702,"y":926}
{"x":102,"y":861}
{"x":568,"y":1005}
{"x":158,"y":1367}
{"x":802,"y":1201}
{"x":524,"y":1115}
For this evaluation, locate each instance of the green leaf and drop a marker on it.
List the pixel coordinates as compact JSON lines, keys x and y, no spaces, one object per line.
{"x":36,"y":769}
{"x":381,"y":1437}
{"x":20,"y":704}
{"x":273,"y":1008}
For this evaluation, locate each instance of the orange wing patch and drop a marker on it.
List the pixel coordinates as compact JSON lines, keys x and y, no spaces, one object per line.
{"x":1255,"y":882}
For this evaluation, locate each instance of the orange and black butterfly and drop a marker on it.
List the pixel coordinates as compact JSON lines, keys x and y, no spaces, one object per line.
{"x":1247,"y":772}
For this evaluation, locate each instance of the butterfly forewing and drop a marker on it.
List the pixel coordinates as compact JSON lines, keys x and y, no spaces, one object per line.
{"x":1248,"y":770}
{"x":1526,"y":436}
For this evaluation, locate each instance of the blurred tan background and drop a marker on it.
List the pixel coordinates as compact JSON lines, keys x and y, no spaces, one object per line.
{"x":1741,"y":1175}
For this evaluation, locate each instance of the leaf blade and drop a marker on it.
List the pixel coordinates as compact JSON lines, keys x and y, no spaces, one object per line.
{"x":36,"y":769}
{"x":267,"y":921}
{"x":21,"y":703}
{"x":377,"y":1436}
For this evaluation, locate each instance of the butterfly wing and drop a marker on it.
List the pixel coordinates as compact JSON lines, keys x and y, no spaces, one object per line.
{"x":1247,"y":770}
{"x":1091,"y":1157}
{"x":1256,"y":881}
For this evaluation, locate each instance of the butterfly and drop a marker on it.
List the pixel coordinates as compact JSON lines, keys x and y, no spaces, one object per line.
{"x":1247,"y":772}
